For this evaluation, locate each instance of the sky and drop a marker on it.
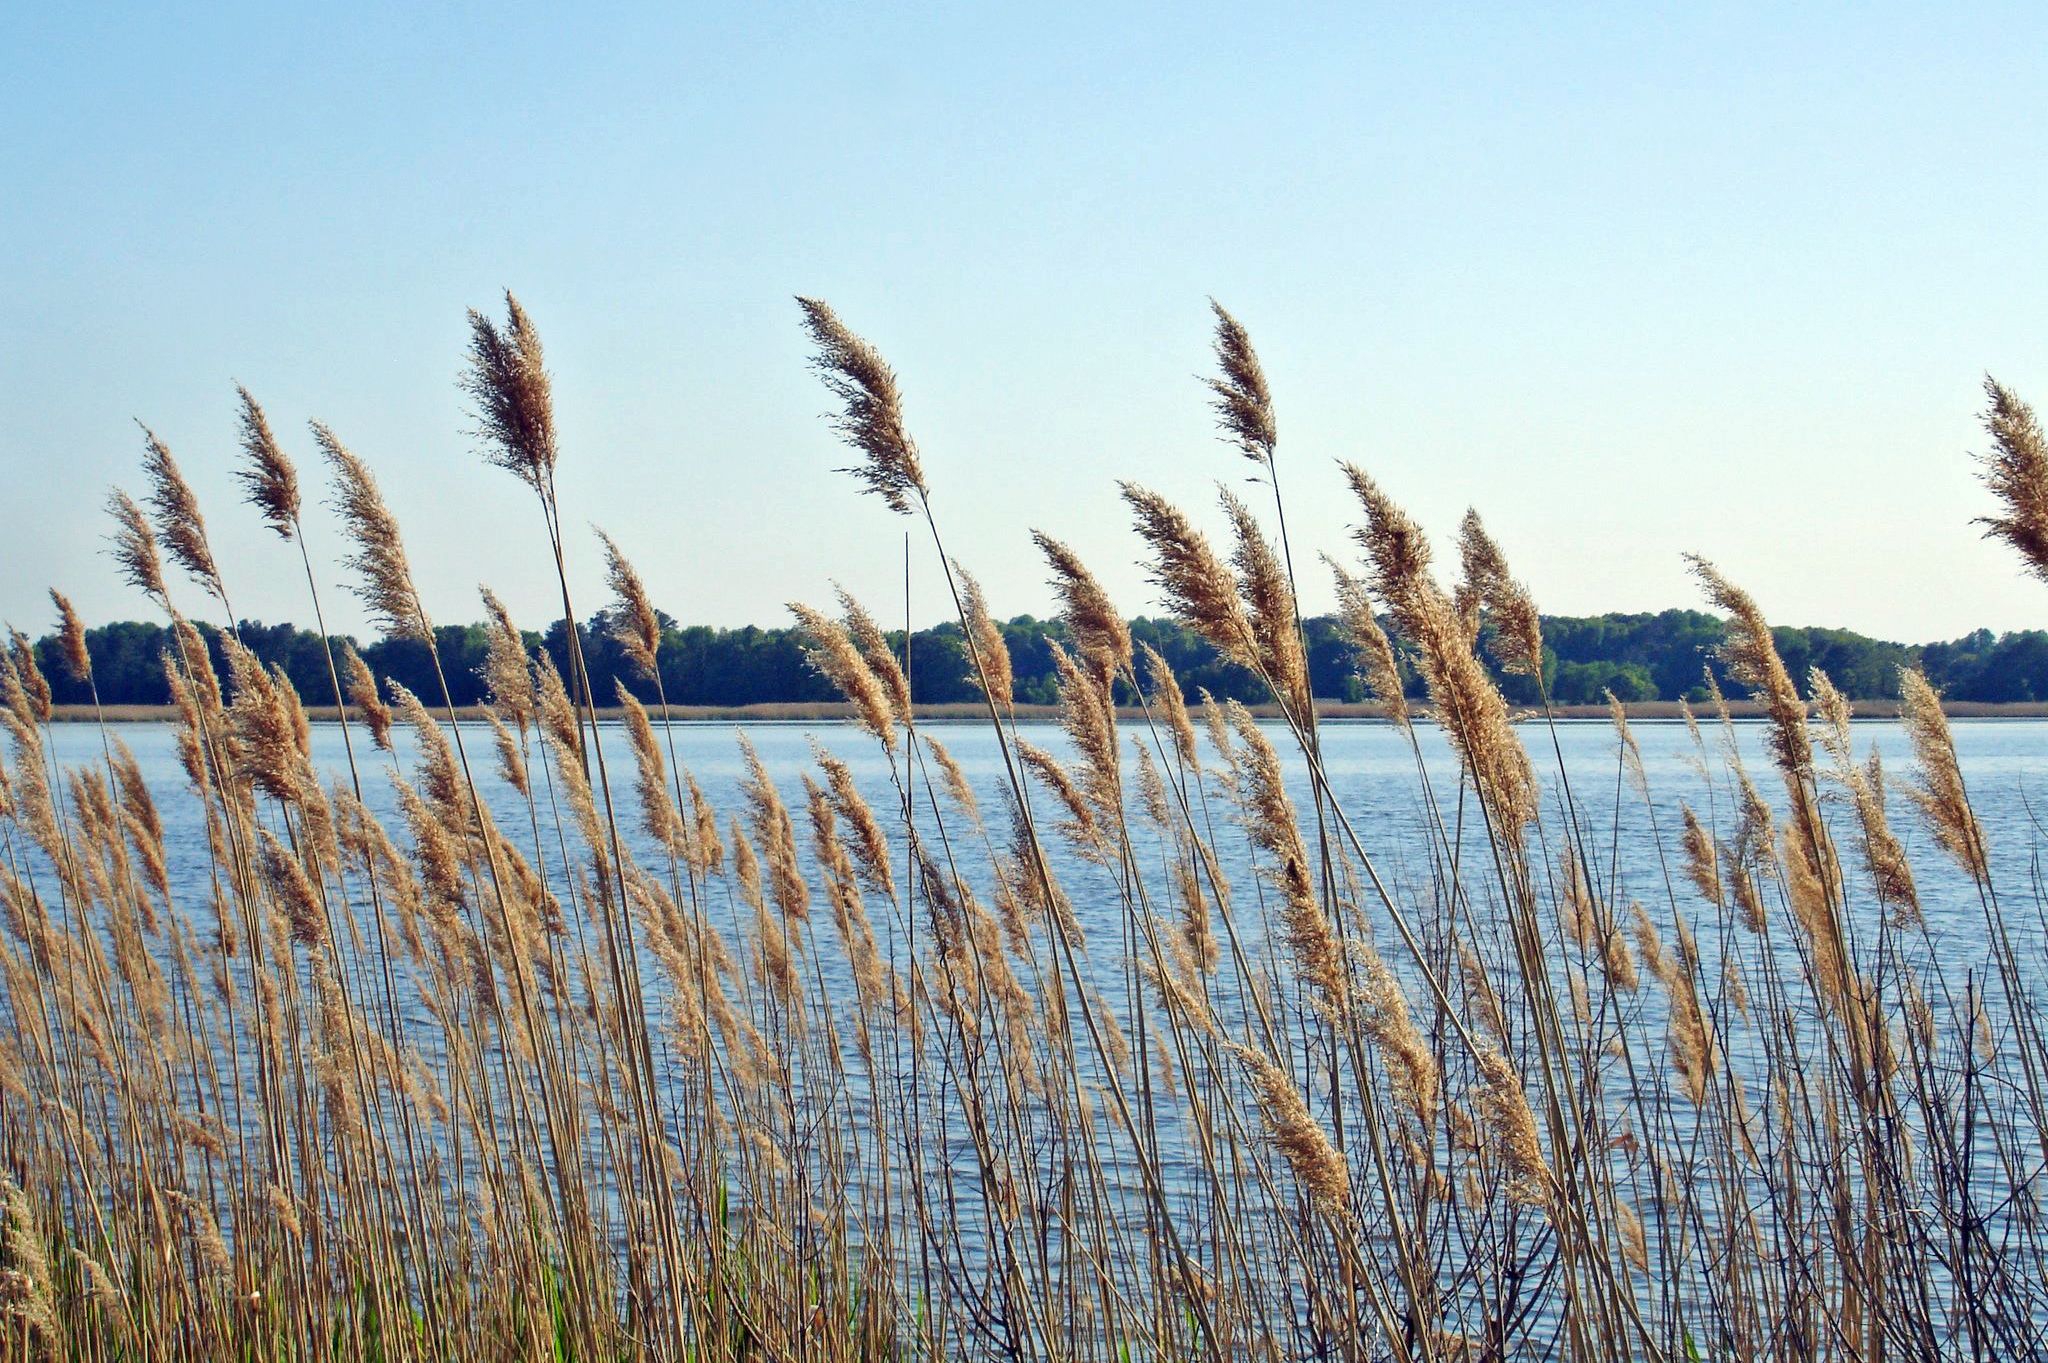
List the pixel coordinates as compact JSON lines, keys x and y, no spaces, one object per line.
{"x":1632,"y":280}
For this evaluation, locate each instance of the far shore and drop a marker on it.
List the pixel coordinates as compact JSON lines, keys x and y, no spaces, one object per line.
{"x":966,"y":712}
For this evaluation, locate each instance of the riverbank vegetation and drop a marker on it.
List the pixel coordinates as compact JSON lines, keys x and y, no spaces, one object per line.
{"x":1141,"y":1052}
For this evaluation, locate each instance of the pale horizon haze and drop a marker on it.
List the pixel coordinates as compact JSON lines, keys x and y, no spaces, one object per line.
{"x":1633,"y":281}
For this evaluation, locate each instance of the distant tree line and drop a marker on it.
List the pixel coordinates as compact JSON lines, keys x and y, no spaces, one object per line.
{"x":1637,"y":657}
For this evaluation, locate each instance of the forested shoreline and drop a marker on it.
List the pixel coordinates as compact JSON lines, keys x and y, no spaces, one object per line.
{"x":1638,"y":657}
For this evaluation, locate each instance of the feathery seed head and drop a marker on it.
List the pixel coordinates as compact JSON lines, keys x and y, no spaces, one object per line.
{"x":180,"y":527}
{"x":635,"y":624}
{"x":135,"y":548}
{"x":1937,"y":787}
{"x":1376,"y":660}
{"x":71,"y":636}
{"x":271,"y":478}
{"x":1243,"y":403}
{"x":1513,"y":609}
{"x":2016,"y":471}
{"x":872,"y":419}
{"x":361,"y":686}
{"x":1199,"y":586}
{"x":508,"y":381}
{"x":875,"y":648}
{"x":1262,"y":581}
{"x":1751,"y":657}
{"x":990,"y":650}
{"x":379,"y":557}
{"x":507,"y":670}
{"x":1099,"y":630}
{"x":836,"y":657}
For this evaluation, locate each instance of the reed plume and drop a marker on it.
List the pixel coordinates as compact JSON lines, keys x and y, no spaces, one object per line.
{"x":2016,"y":471}
{"x":1411,"y":1064}
{"x":1891,"y":874}
{"x":1294,"y":1131}
{"x":1099,"y":630}
{"x":1376,"y":660}
{"x":1702,"y":861}
{"x":508,"y":382}
{"x":270,"y":477}
{"x":36,"y":687}
{"x":1469,"y":705}
{"x":386,"y":585}
{"x":294,"y":891}
{"x":839,"y":660}
{"x":1198,"y":585}
{"x":871,"y":419}
{"x":71,"y":638}
{"x":361,"y":687}
{"x":507,"y":671}
{"x":874,"y":646}
{"x":135,"y":549}
{"x":1271,"y":824}
{"x":1269,"y":597}
{"x":635,"y":623}
{"x":1504,"y":1108}
{"x":180,"y":527}
{"x":1751,"y":657}
{"x":1164,"y":691}
{"x":957,"y":784}
{"x":995,"y":674}
{"x":870,"y":844}
{"x":1513,"y":609}
{"x":1937,"y":787}
{"x":658,"y":812}
{"x":1243,"y":404}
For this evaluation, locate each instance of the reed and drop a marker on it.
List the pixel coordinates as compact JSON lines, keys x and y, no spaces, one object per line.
{"x":1129,"y":1037}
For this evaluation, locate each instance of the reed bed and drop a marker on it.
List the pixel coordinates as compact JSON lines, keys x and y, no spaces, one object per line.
{"x":1022,"y":1071}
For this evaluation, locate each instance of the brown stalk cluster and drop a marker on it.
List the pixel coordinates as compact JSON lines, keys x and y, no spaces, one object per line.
{"x":1468,"y":704}
{"x":278,"y":1071}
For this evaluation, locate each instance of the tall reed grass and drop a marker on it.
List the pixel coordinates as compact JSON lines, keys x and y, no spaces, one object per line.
{"x":581,"y":1072}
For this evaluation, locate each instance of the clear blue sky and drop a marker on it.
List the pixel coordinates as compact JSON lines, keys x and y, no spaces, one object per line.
{"x":1632,"y":282}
